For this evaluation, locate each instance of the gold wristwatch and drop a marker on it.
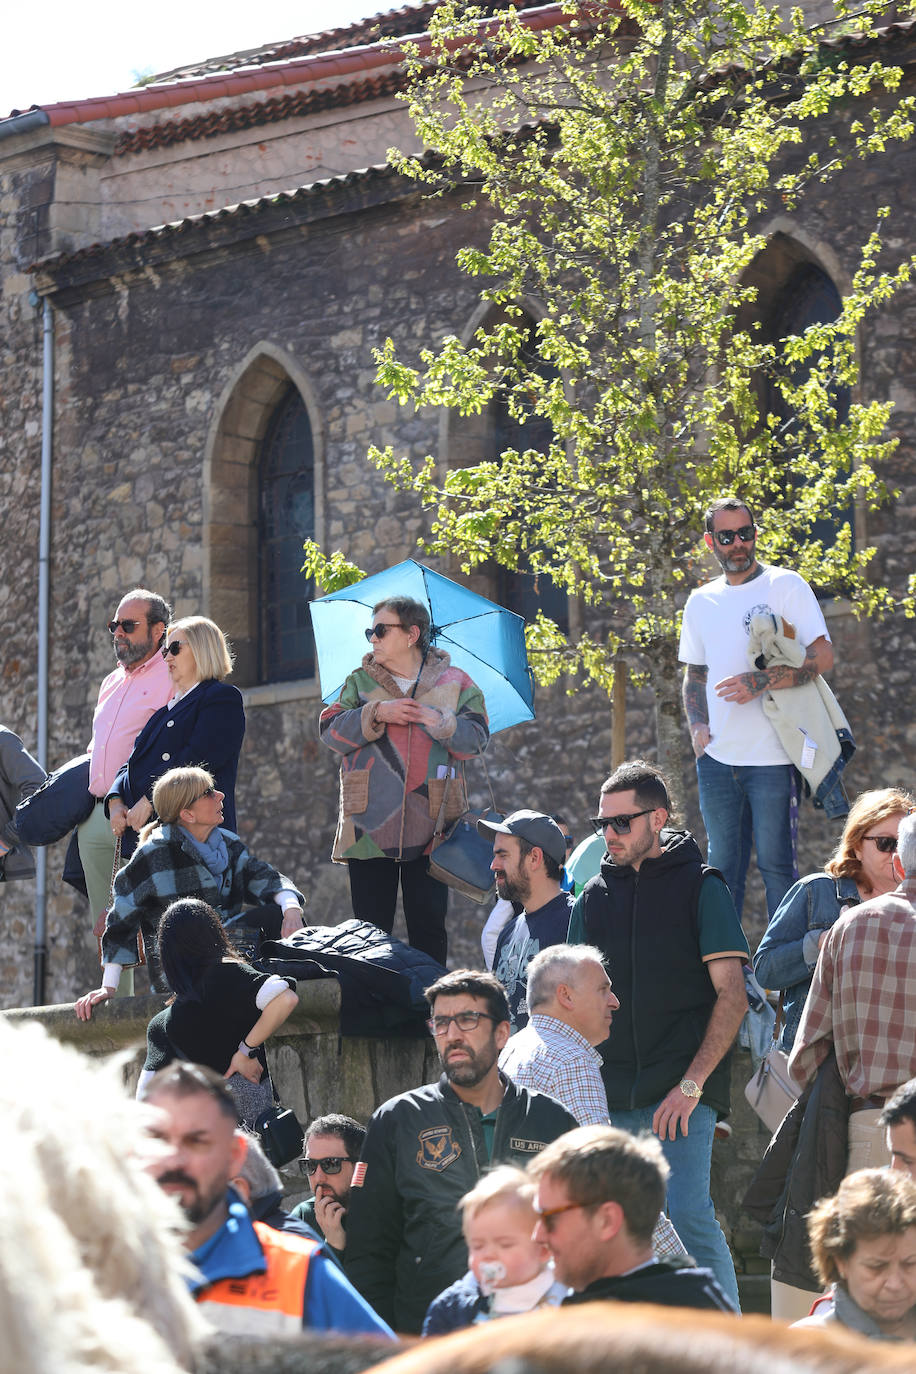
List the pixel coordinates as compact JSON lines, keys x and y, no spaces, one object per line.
{"x":691,"y":1089}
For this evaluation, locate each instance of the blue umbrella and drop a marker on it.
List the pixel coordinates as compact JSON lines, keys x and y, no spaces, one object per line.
{"x":483,"y":639}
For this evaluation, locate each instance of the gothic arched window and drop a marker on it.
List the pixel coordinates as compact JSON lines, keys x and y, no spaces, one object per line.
{"x":286,"y":480}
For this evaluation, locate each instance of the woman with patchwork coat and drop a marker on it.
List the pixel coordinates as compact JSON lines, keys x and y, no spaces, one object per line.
{"x":403,"y":725}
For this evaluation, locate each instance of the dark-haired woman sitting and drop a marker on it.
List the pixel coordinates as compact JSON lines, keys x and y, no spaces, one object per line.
{"x":223,"y":1011}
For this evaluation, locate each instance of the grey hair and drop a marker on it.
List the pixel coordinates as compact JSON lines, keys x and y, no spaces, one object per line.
{"x":906,"y":845}
{"x":555,"y":965}
{"x":257,"y":1170}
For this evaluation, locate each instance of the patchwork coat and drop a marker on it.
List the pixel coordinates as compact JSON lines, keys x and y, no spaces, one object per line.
{"x":390,"y":788}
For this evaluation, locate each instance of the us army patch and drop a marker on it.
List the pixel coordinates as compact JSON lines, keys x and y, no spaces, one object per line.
{"x":525,"y":1147}
{"x":437,"y":1148}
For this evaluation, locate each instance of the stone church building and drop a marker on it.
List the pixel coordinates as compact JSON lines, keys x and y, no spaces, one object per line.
{"x":194,"y":275}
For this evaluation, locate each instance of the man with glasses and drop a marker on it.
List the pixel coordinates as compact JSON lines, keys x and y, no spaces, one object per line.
{"x":528,"y":853}
{"x":673,"y":944}
{"x":137,"y":688}
{"x":600,"y":1191}
{"x":425,"y":1149}
{"x":332,"y":1147}
{"x":744,"y":774}
{"x":862,"y":1006}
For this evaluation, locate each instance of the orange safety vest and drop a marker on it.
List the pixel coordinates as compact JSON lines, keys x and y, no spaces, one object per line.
{"x":267,"y":1304}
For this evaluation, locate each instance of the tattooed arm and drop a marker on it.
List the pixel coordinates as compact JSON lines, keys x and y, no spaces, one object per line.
{"x":746,"y":686}
{"x":696,"y":707}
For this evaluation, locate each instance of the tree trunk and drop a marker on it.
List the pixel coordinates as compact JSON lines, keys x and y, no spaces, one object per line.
{"x":671,"y":731}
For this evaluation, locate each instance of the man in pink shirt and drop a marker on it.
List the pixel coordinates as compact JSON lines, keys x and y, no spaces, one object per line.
{"x":127,"y":698}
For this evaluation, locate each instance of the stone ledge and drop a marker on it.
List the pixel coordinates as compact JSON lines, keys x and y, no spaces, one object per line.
{"x":276,"y":693}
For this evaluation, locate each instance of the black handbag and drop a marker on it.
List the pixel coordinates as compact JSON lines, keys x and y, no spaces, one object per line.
{"x":280,"y":1133}
{"x":461,"y":856}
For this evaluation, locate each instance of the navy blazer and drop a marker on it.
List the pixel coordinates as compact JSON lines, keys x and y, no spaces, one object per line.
{"x":205,"y":728}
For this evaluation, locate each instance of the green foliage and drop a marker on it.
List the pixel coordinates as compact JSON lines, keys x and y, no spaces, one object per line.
{"x":329,"y":572}
{"x":630,"y":162}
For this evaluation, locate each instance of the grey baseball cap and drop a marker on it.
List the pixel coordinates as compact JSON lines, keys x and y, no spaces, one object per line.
{"x":532,"y":826}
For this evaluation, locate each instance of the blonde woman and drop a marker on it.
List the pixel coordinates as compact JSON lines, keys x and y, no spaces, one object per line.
{"x":190,"y":854}
{"x":203,"y":724}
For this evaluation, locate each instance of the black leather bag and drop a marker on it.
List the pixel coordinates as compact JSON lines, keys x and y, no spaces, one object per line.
{"x":281,"y":1135}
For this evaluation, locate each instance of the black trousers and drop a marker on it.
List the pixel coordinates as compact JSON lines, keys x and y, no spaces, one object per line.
{"x":374,"y":897}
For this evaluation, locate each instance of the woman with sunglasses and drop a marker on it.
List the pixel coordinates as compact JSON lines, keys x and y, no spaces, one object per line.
{"x":403,"y":725}
{"x":859,"y":869}
{"x":204,"y":723}
{"x":189,"y":854}
{"x":222,"y":1011}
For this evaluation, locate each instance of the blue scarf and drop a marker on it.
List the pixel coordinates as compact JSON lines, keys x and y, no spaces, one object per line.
{"x":215,"y":853}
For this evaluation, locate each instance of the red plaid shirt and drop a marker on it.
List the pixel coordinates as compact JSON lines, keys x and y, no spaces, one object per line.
{"x":862,"y":1001}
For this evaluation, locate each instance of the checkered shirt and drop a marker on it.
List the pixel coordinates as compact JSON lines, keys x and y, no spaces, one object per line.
{"x":552,"y":1058}
{"x":862,"y":1001}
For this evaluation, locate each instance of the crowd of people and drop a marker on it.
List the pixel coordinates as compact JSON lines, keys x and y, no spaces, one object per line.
{"x":563,"y":1156}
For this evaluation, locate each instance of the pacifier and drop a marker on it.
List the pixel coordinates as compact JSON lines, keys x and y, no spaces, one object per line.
{"x":491,"y":1271}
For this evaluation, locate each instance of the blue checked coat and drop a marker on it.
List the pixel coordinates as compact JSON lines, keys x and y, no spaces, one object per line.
{"x":169,"y":866}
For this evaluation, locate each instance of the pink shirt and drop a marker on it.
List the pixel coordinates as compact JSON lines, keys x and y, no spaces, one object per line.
{"x":126,"y":702}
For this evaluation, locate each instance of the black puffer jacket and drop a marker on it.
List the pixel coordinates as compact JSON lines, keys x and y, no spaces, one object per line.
{"x":423,"y":1152}
{"x":382,"y":980}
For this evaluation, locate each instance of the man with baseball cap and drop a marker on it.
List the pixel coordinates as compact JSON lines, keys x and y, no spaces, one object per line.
{"x":528,"y":853}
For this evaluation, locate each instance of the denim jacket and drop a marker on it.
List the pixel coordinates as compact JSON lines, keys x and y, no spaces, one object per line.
{"x":787,"y":954}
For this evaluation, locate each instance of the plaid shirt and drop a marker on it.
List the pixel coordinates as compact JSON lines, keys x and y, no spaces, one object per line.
{"x":552,"y":1058}
{"x":862,"y":1001}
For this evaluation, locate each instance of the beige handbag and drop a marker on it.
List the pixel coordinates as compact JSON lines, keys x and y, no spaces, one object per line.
{"x":772,"y":1091}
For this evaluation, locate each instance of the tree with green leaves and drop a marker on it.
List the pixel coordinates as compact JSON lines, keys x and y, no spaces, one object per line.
{"x":628,"y":160}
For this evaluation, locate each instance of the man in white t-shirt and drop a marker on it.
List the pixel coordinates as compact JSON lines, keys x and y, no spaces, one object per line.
{"x":744,"y":774}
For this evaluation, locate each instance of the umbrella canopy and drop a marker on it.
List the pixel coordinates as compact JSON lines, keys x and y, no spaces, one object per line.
{"x":483,"y":639}
{"x":585,"y":861}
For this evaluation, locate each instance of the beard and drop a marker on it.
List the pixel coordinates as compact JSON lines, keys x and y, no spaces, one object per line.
{"x":736,"y":562}
{"x":127,"y":652}
{"x":198,"y":1206}
{"x":467,"y":1073}
{"x":515,"y":889}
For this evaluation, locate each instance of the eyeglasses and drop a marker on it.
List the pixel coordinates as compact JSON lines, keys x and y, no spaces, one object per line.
{"x":128,"y":626}
{"x":747,"y":534}
{"x":207,"y":792}
{"x":548,"y":1216}
{"x":174,"y":648}
{"x":380,"y":630}
{"x":619,"y":824}
{"x":885,"y":844}
{"x":464,"y":1020}
{"x":331,"y":1165}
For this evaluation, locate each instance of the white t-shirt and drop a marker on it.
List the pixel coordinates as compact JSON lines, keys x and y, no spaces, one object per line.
{"x":714,"y":632}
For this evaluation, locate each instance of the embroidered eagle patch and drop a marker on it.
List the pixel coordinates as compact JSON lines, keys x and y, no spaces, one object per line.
{"x":438,"y":1148}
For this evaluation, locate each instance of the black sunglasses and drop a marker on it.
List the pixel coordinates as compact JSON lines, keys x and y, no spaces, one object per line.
{"x":331,"y":1165}
{"x":885,"y":844}
{"x":174,"y":648}
{"x":128,"y":626}
{"x":207,"y":792}
{"x":746,"y":533}
{"x":380,"y":630}
{"x":619,"y":824}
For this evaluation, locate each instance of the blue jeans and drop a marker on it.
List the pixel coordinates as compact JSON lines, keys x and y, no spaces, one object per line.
{"x":689,"y":1203}
{"x":741,"y":802}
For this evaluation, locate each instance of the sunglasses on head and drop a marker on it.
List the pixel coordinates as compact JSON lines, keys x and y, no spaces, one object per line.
{"x":885,"y":844}
{"x":746,"y":533}
{"x":380,"y":630}
{"x":174,"y":648}
{"x":331,"y":1165}
{"x":128,"y":626}
{"x":619,"y":824}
